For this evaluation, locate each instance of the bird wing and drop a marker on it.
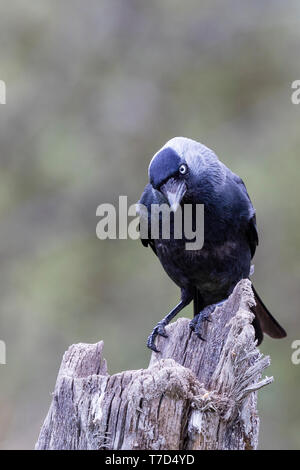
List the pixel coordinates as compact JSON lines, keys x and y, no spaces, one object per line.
{"x":251,"y":228}
{"x":252,"y":235}
{"x":264,"y":322}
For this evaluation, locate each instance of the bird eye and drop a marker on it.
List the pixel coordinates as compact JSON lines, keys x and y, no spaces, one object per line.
{"x":183,"y":169}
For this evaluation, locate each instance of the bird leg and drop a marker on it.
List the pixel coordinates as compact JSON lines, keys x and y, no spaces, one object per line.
{"x":160,"y":327}
{"x":196,"y":323}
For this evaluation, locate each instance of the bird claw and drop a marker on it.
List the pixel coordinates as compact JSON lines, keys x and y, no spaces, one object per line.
{"x":158,"y":330}
{"x":196,"y":323}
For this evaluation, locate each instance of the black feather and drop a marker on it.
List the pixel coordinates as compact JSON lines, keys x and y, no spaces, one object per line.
{"x":230,"y":233}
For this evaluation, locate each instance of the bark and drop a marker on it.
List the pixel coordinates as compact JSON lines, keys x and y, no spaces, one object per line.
{"x":194,"y":395}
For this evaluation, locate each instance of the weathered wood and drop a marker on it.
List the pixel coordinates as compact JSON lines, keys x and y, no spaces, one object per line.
{"x":194,"y":395}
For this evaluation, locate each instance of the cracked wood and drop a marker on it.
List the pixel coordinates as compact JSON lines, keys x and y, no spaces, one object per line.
{"x":194,"y":394}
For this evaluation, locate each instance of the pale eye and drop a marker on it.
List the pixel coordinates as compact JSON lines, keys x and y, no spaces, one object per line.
{"x":183,"y":169}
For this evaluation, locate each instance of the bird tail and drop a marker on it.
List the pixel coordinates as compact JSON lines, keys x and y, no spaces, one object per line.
{"x":264,"y":322}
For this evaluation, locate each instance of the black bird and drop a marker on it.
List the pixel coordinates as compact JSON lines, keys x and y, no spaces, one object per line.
{"x":184,"y":172}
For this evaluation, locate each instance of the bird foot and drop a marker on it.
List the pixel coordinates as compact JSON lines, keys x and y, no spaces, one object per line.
{"x":158,"y":330}
{"x":196,"y":323}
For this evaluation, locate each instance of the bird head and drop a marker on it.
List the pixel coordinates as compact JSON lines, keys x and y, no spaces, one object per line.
{"x":180,"y":169}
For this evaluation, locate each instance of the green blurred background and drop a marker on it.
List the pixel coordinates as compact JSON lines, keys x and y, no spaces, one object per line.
{"x":93,"y":90}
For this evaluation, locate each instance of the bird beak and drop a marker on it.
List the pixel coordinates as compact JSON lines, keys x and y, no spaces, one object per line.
{"x":174,"y":190}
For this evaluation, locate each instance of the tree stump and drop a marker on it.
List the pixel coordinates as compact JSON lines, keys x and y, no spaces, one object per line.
{"x":194,"y":395}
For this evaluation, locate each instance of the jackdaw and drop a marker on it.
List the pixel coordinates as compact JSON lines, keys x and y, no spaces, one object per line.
{"x":185,"y":172}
